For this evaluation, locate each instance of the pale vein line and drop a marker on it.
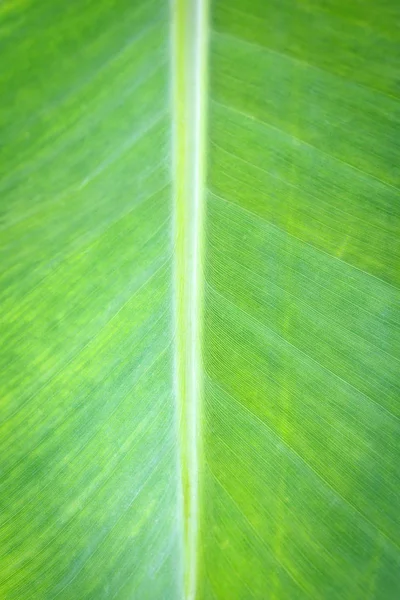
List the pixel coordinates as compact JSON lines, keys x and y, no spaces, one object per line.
{"x":347,"y":18}
{"x":86,"y":246}
{"x":296,"y":348}
{"x":251,"y":117}
{"x":44,"y":157}
{"x":295,"y":395}
{"x":160,"y":566}
{"x":225,"y":557}
{"x":348,"y":285}
{"x":302,"y":62}
{"x":315,"y":248}
{"x":304,"y":303}
{"x":251,"y":526}
{"x":295,"y":187}
{"x":74,"y":91}
{"x":262,"y":192}
{"x":303,"y":460}
{"x":69,"y":413}
{"x":97,"y":548}
{"x":98,"y":170}
{"x":91,"y":497}
{"x":89,"y":343}
{"x":305,"y":531}
{"x":93,"y":436}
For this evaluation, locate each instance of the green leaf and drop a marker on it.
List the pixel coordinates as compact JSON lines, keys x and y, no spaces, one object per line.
{"x":199,"y":295}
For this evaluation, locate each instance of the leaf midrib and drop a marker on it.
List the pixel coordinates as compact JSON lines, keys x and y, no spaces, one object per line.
{"x":189,"y":76}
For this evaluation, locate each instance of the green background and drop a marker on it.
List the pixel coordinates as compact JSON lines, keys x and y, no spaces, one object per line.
{"x":299,"y":471}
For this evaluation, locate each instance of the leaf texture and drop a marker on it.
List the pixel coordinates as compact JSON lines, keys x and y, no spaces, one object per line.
{"x":292,"y":489}
{"x":88,"y":443}
{"x":301,"y":470}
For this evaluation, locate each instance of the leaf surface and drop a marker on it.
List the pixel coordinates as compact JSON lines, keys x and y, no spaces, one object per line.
{"x":199,"y":310}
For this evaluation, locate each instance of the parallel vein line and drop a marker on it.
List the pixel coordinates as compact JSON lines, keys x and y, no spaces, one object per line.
{"x":304,"y":63}
{"x":295,"y":453}
{"x":301,"y":141}
{"x":294,"y":187}
{"x":89,"y":343}
{"x":297,"y":349}
{"x":270,"y":224}
{"x":306,"y":304}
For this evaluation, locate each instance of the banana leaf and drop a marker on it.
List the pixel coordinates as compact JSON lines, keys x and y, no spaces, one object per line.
{"x":199,"y":297}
